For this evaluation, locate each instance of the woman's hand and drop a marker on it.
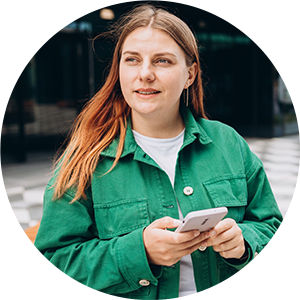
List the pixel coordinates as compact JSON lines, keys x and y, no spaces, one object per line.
{"x":164,"y":247}
{"x":226,"y":239}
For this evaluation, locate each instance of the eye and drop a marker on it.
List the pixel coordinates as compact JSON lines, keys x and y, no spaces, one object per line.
{"x":131,"y":60}
{"x":163,"y":61}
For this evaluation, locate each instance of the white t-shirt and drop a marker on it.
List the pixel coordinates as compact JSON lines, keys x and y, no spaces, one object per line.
{"x":164,"y":152}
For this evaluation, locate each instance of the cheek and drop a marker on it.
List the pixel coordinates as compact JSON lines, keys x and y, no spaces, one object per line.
{"x":175,"y":82}
{"x":126,"y":78}
{"x":123,"y":80}
{"x":176,"y":77}
{"x":126,"y":75}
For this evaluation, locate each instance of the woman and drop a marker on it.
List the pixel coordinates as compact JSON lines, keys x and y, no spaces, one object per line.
{"x":142,"y":154}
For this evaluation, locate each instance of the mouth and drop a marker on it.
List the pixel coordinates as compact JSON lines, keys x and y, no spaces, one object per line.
{"x":147,"y":91}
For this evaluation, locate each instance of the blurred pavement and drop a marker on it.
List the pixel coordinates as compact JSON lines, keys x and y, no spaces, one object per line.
{"x":25,"y":183}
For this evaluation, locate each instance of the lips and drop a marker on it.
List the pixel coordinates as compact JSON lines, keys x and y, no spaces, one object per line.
{"x":147,"y":91}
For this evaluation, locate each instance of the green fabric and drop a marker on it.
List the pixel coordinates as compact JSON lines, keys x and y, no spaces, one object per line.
{"x":99,"y":241}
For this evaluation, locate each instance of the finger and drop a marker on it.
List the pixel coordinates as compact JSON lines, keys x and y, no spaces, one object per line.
{"x":237,"y":241}
{"x":190,"y":249}
{"x":223,"y":237}
{"x":195,"y":241}
{"x":165,"y":222}
{"x":236,"y":252}
{"x":183,"y":237}
{"x":223,"y":226}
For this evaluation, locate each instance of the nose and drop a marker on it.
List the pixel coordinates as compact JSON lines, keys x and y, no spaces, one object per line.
{"x":146,"y":72}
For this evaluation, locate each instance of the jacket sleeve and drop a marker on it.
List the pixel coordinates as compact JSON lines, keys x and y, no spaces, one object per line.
{"x":68,"y":237}
{"x":262,"y":215}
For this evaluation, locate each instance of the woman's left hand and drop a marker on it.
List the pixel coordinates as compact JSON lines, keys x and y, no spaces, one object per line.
{"x":227,"y":239}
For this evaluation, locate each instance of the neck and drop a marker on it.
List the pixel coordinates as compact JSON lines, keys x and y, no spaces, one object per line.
{"x":157,"y":127}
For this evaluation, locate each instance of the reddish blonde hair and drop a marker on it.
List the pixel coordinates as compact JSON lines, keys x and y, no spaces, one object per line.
{"x":104,"y":117}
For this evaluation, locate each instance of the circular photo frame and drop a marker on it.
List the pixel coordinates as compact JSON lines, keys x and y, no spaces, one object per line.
{"x":241,"y":88}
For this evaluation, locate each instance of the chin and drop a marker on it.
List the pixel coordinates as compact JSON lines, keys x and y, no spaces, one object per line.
{"x":145,"y":109}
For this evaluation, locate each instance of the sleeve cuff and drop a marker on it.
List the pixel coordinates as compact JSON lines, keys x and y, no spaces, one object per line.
{"x":240,"y":263}
{"x":134,"y":265}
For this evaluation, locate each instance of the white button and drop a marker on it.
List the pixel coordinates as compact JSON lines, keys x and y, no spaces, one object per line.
{"x":188,"y":190}
{"x":144,"y":282}
{"x":202,"y":248}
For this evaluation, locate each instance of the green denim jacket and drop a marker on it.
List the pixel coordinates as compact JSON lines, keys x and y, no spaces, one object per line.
{"x":99,"y":241}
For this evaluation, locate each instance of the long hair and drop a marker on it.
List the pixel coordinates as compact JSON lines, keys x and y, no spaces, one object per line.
{"x":104,"y":117}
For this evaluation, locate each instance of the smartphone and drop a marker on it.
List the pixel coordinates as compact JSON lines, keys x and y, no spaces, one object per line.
{"x":202,"y":220}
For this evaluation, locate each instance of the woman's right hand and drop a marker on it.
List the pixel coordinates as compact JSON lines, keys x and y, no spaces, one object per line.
{"x":165,"y":247}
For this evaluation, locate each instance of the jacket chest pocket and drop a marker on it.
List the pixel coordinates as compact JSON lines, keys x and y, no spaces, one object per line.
{"x":120,"y":217}
{"x":229,"y":191}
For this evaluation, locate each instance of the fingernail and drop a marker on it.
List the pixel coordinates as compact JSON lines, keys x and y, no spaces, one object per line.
{"x":213,"y":233}
{"x":176,"y":222}
{"x":196,"y":233}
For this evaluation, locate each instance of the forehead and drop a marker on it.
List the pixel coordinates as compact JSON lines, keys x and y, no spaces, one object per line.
{"x":147,"y":39}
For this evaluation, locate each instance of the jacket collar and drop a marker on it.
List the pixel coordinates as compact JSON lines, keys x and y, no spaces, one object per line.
{"x":193,"y":131}
{"x":193,"y":128}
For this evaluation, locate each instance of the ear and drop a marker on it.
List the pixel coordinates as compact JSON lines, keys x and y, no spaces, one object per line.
{"x":192,"y":72}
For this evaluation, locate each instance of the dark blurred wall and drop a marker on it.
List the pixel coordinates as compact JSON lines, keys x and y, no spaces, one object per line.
{"x":242,"y":87}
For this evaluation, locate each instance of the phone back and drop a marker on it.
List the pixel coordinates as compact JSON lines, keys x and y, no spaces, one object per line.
{"x":203,"y":220}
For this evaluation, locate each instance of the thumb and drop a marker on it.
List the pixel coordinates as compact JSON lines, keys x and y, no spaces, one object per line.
{"x":165,"y":222}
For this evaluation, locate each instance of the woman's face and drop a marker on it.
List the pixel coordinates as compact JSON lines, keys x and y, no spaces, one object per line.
{"x":153,"y":73}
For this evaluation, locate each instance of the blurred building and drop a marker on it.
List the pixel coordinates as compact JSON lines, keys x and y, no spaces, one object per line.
{"x":242,"y":87}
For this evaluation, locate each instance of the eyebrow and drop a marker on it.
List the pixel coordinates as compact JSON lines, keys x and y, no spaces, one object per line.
{"x":156,"y":54}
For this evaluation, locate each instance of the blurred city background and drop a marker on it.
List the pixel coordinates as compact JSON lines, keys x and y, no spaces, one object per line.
{"x":242,"y":89}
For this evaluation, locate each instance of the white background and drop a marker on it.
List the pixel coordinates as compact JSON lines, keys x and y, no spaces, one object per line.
{"x":26,"y":26}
